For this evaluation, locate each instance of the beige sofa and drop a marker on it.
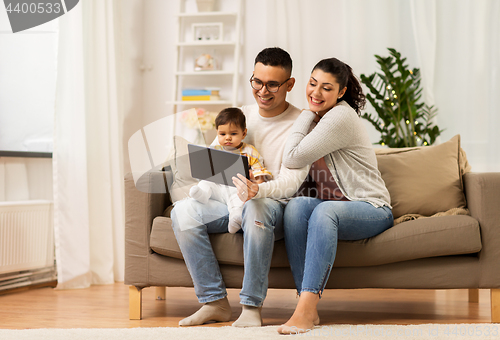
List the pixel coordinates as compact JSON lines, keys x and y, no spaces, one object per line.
{"x":450,"y":250}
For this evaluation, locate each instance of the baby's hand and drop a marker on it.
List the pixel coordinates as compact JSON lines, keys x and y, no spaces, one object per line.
{"x":260,"y":179}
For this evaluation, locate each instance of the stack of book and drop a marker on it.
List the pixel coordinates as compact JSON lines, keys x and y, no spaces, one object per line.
{"x":200,"y":94}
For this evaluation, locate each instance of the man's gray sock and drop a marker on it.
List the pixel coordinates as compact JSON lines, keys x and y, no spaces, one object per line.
{"x":250,"y":317}
{"x":218,"y":310}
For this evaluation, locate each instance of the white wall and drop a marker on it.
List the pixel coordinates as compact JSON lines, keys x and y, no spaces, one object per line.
{"x":23,"y":179}
{"x":353,"y":31}
{"x":158,"y":48}
{"x":159,"y":25}
{"x":259,"y":31}
{"x":131,"y":48}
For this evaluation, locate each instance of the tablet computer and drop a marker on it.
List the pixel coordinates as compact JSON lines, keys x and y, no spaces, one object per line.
{"x":216,"y":165}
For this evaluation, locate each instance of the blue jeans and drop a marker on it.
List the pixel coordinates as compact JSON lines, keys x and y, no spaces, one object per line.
{"x":262,"y":224}
{"x":313,"y":228}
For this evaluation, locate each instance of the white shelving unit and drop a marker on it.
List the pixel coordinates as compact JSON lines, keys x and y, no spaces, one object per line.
{"x":226,"y":51}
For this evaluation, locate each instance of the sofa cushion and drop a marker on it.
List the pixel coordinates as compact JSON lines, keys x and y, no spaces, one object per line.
{"x":423,"y":180}
{"x":228,"y":248}
{"x":447,"y":235}
{"x":442,"y":236}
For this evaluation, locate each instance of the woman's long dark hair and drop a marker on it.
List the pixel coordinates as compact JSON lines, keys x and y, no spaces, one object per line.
{"x":343,"y":73}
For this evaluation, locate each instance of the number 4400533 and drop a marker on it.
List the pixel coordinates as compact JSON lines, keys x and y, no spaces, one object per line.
{"x":32,"y":7}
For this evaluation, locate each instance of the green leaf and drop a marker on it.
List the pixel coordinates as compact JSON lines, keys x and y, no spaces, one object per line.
{"x":390,"y":120}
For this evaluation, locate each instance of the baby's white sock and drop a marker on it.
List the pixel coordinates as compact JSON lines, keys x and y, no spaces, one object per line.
{"x":234,"y":220}
{"x":235,"y":207}
{"x":199,"y":194}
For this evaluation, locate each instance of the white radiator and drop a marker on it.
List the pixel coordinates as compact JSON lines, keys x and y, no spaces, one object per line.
{"x":26,"y":235}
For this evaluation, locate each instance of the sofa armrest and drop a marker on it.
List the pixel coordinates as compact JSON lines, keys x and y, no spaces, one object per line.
{"x":482,"y":191}
{"x":144,"y":200}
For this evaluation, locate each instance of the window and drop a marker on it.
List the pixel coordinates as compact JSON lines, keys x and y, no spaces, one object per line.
{"x":28,"y":71}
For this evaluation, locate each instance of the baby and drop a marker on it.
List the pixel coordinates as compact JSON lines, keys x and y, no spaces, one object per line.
{"x":231,"y":129}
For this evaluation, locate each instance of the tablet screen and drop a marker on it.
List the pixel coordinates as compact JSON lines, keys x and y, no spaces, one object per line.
{"x":216,"y":165}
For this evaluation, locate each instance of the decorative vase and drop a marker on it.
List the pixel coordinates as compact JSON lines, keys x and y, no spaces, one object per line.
{"x":205,"y":5}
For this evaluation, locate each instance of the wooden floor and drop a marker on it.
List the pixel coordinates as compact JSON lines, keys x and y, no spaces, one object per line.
{"x":107,"y":307}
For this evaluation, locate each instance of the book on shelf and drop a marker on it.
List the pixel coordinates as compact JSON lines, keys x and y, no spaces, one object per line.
{"x":193,"y":98}
{"x":200,"y":94}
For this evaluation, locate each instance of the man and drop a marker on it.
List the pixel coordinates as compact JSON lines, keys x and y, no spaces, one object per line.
{"x":268,"y":124}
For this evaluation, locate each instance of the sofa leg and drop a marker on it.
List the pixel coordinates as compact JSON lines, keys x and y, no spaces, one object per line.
{"x":135,"y":303}
{"x":495,"y":305}
{"x":474,"y":295}
{"x":161,"y":293}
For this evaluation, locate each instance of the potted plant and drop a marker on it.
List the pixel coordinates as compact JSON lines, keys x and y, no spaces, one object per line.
{"x":395,"y":93}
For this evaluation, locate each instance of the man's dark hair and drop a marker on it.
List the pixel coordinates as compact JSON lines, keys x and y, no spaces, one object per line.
{"x":231,"y":115}
{"x":275,"y":56}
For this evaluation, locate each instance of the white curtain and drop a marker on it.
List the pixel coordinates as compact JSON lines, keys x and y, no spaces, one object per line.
{"x":423,"y":20}
{"x":88,"y":166}
{"x":455,"y":43}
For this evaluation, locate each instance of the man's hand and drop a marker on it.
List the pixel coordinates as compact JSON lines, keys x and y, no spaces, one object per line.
{"x":247,"y":189}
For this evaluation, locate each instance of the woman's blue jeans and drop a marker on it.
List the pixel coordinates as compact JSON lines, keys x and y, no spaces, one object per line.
{"x":313,"y":228}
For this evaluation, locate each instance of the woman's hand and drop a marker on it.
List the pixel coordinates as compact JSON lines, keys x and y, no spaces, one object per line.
{"x":247,"y":189}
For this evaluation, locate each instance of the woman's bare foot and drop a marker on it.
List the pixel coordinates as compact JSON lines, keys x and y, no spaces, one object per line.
{"x":298,"y":324}
{"x":305,"y":316}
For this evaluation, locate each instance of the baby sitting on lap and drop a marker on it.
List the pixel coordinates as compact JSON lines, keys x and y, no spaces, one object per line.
{"x":231,"y":130}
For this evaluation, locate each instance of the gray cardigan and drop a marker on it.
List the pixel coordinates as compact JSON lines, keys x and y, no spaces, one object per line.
{"x":341,"y":138}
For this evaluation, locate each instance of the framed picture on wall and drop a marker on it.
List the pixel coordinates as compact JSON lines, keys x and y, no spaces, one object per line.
{"x":207,"y":31}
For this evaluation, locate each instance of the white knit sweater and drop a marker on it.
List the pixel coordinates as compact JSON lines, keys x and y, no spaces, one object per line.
{"x":341,"y":138}
{"x":269,"y":136}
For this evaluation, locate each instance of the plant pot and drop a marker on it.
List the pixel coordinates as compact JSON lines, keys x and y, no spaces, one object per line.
{"x":205,"y":5}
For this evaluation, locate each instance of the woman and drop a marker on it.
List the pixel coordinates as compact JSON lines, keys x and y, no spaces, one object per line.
{"x":350,"y":199}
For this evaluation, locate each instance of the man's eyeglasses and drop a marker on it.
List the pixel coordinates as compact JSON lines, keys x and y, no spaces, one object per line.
{"x":272,"y":86}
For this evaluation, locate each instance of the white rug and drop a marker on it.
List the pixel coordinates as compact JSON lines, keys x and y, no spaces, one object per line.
{"x":344,"y":332}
